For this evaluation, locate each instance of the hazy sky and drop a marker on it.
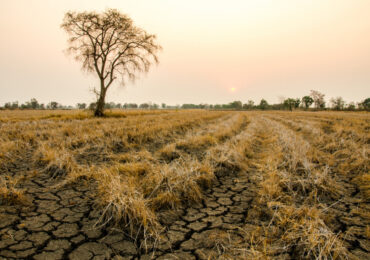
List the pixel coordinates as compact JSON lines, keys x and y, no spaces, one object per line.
{"x":213,"y":51}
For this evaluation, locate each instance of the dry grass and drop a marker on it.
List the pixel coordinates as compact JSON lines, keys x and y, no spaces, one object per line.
{"x":56,"y":115}
{"x":9,"y":194}
{"x":303,"y":176}
{"x":143,"y":162}
{"x":120,"y":153}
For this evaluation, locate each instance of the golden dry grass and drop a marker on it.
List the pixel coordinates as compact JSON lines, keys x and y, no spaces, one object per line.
{"x":301,"y":164}
{"x":119,"y":152}
{"x":9,"y":194}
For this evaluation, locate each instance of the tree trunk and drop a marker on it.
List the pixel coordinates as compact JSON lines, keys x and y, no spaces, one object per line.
{"x":99,"y":111}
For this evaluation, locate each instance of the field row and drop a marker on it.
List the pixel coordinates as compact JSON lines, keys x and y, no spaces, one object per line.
{"x":199,"y":183}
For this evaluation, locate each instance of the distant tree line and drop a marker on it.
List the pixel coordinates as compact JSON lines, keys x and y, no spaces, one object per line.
{"x":34,"y":104}
{"x":314,"y":101}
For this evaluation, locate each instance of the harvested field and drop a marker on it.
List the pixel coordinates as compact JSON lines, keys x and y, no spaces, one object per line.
{"x":184,"y":185}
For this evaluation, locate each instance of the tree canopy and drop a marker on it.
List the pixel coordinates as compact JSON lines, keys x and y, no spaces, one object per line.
{"x":307,"y":101}
{"x":318,"y":99}
{"x":110,"y":45}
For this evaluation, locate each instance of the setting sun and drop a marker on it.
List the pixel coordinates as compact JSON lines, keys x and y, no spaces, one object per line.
{"x":276,"y":48}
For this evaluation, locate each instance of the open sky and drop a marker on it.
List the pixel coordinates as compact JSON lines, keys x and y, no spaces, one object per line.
{"x":213,"y":51}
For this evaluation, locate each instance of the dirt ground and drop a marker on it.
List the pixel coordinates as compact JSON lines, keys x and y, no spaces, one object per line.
{"x":64,"y":222}
{"x":60,"y":223}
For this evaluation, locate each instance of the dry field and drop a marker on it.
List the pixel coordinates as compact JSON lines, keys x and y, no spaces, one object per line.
{"x":184,"y":185}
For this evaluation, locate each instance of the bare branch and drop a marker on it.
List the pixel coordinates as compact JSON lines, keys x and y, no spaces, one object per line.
{"x":109,"y":44}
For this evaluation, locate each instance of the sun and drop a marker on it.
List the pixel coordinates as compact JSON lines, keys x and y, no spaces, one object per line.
{"x":232,"y":89}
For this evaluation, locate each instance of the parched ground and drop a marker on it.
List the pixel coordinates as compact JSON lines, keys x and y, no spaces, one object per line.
{"x":235,"y":217}
{"x":61,"y":223}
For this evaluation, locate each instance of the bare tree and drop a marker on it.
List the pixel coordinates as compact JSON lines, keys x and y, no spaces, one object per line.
{"x":318,"y":99}
{"x":110,"y":45}
{"x":281,"y":99}
{"x":337,"y":103}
